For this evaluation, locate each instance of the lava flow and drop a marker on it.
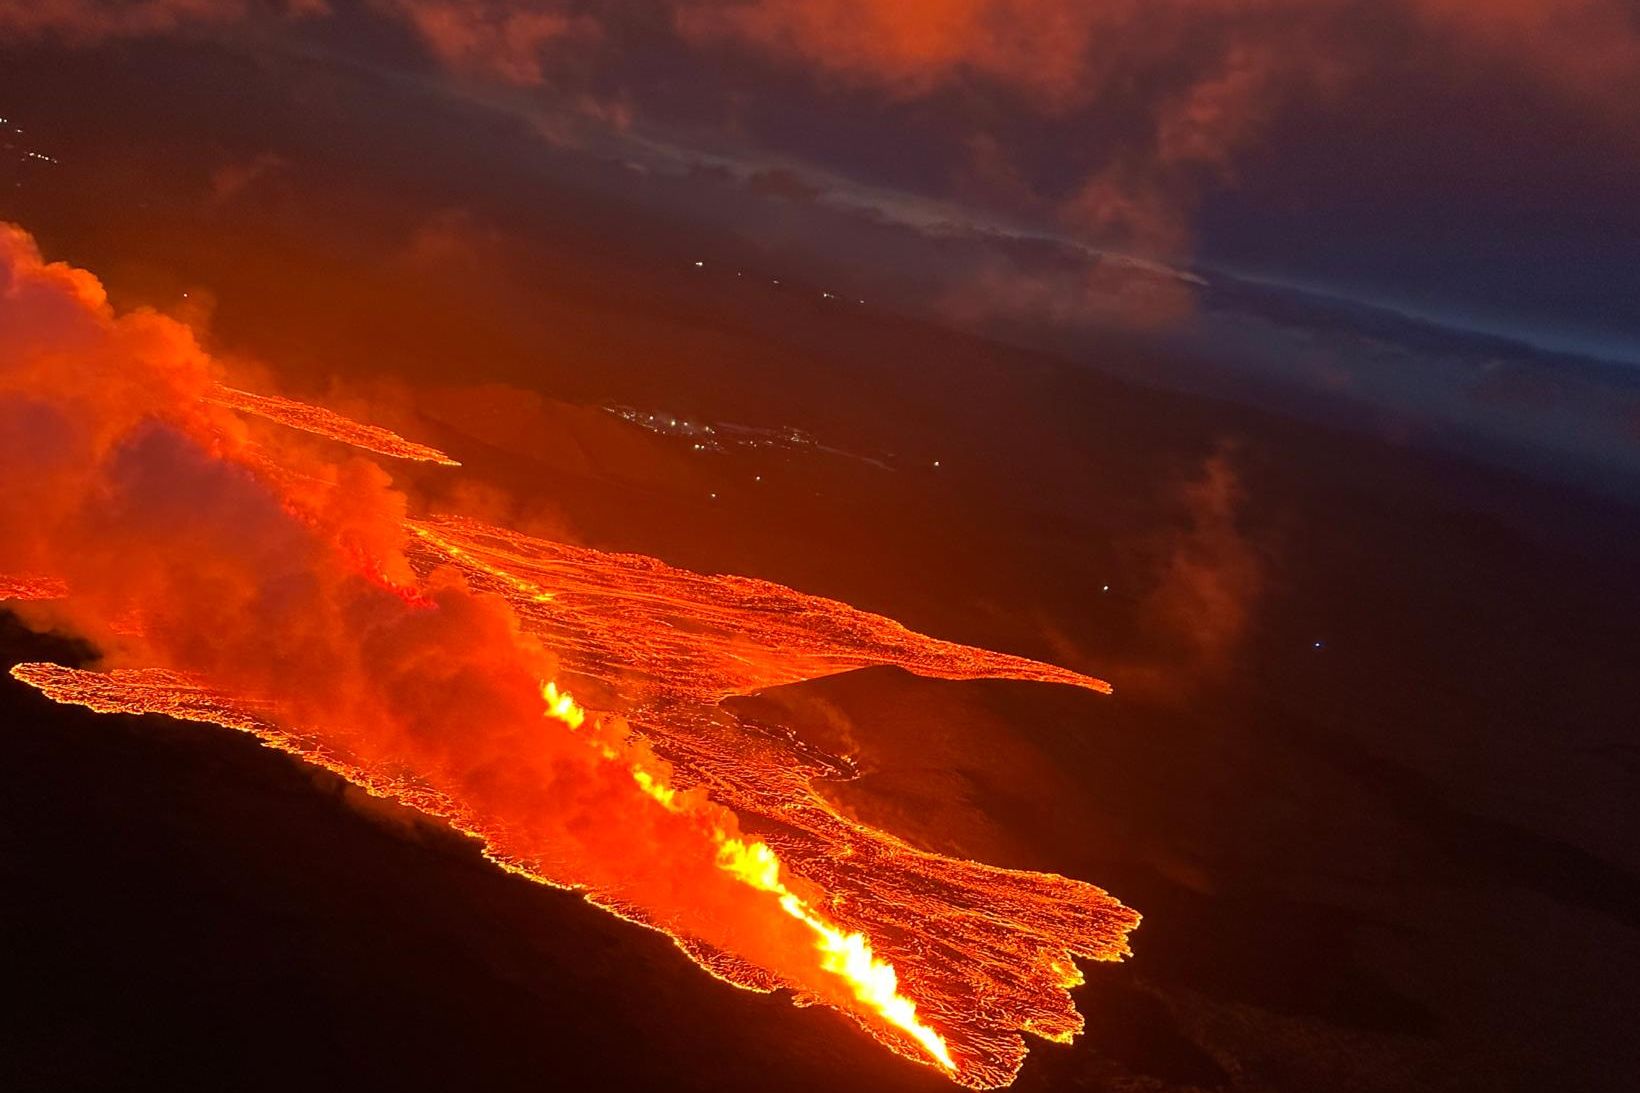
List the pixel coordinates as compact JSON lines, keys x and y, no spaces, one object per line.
{"x":847,"y":955}
{"x":434,"y":660}
{"x":31,"y":588}
{"x":326,"y":423}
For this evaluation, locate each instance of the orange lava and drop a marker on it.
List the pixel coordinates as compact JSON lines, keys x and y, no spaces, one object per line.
{"x":666,"y":645}
{"x":561,"y":705}
{"x":325,"y":423}
{"x":650,"y":632}
{"x":848,"y":955}
{"x":31,"y":588}
{"x":972,"y":955}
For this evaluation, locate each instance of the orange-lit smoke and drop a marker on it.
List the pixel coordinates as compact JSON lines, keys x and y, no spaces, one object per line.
{"x":428,"y":660}
{"x":506,"y":41}
{"x":1211,"y":579}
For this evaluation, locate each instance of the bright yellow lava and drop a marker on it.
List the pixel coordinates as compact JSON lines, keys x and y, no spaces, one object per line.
{"x":847,"y":955}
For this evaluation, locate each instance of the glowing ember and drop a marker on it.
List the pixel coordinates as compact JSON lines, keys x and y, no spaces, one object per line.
{"x":434,"y":661}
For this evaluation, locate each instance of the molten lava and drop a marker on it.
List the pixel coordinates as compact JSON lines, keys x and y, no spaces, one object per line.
{"x":445,"y":662}
{"x":31,"y":588}
{"x":325,"y":423}
{"x":915,"y":937}
{"x":847,"y":955}
{"x":652,"y":633}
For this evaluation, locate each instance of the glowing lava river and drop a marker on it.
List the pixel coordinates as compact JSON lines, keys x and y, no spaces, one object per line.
{"x":559,"y":704}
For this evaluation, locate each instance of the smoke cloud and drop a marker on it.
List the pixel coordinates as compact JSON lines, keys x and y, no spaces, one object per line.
{"x":1213,"y":575}
{"x":184,"y":550}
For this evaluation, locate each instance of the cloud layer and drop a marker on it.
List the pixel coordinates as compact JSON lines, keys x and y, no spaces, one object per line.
{"x":1112,"y":118}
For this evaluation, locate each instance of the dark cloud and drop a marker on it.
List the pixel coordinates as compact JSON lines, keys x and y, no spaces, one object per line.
{"x":94,"y":20}
{"x":232,"y":179}
{"x":511,"y":42}
{"x":1040,"y":169}
{"x":782,"y":183}
{"x":1111,"y":118}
